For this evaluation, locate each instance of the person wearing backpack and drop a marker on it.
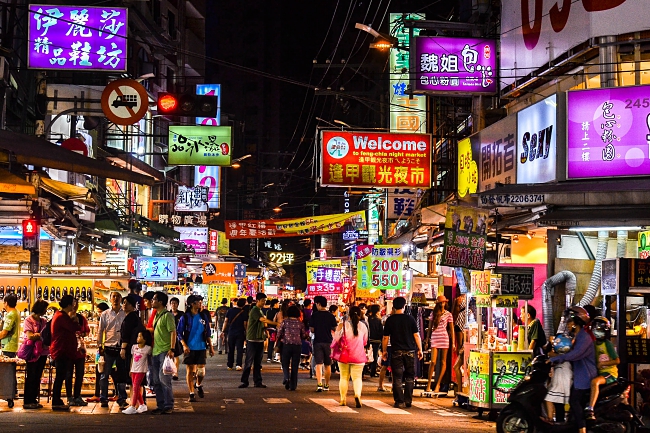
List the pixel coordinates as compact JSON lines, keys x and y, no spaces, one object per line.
{"x":10,"y":327}
{"x":63,"y":350}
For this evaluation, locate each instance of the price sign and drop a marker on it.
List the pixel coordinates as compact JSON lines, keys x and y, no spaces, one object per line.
{"x":386,"y":267}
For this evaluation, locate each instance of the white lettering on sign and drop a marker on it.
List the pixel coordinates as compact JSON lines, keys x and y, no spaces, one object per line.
{"x":381,"y":144}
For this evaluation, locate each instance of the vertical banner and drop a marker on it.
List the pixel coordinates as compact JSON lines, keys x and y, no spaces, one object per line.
{"x":479,"y":372}
{"x":387,"y":267}
{"x":468,"y":155}
{"x":364,"y":266}
{"x":465,"y":238}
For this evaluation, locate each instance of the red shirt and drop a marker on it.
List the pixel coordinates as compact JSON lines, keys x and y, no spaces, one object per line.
{"x":64,"y":337}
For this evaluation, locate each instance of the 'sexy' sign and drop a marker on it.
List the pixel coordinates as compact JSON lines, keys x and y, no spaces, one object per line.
{"x":536,"y":145}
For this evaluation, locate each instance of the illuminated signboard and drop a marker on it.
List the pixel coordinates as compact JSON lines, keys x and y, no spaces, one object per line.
{"x":281,"y":257}
{"x":214,"y":90}
{"x":200,"y":145}
{"x":408,"y":112}
{"x":194,"y":237}
{"x":401,"y":202}
{"x":498,"y":154}
{"x":455,"y":65}
{"x":209,"y":176}
{"x":468,"y":155}
{"x":371,"y":159}
{"x":191,"y":199}
{"x":213,"y":241}
{"x":79,"y":38}
{"x":608,"y":132}
{"x":537,"y":142}
{"x":156,"y":268}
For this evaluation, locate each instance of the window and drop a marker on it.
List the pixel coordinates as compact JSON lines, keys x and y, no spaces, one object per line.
{"x":170,"y":80}
{"x":171,"y":24}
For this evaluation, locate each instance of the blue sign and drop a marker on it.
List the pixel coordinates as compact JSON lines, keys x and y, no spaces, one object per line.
{"x":157,"y":268}
{"x":214,"y":90}
{"x":240,"y":271}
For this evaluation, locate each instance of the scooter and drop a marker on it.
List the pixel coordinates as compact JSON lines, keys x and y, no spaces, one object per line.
{"x":523,"y":414}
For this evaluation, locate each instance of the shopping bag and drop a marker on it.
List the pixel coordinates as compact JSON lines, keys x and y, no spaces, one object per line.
{"x":169,"y":366}
{"x":26,"y":350}
{"x":369,"y":355}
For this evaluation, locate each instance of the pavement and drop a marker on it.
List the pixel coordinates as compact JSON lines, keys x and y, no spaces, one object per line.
{"x":273,"y":409}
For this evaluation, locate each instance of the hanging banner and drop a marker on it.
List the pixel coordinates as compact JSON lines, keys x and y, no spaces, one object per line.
{"x":468,"y":158}
{"x":401,"y":202}
{"x":368,"y":294}
{"x":375,"y":159}
{"x":386,"y":267}
{"x":312,"y":225}
{"x":223,"y":244}
{"x":465,"y":238}
{"x":364,"y":266}
{"x":218,"y":272}
{"x":322,"y":276}
{"x":480,"y":282}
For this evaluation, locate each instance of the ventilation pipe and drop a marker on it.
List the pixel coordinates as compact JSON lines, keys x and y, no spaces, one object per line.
{"x":621,"y":243}
{"x":569,"y":279}
{"x":594,"y":282}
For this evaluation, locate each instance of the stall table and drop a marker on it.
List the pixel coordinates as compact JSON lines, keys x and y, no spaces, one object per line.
{"x":8,"y":381}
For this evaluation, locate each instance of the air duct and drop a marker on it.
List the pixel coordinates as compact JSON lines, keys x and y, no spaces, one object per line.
{"x":569,"y":279}
{"x":594,"y":282}
{"x":621,"y":243}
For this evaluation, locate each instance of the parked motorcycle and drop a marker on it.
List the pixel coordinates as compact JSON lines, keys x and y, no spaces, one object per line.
{"x":523,"y":414}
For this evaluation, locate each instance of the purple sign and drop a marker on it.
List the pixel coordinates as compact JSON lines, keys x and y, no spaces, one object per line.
{"x":608,"y":132}
{"x":453,"y":65}
{"x":77,"y":38}
{"x":329,"y":275}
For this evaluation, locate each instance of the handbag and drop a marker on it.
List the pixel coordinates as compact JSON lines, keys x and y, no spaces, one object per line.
{"x":339,"y":345}
{"x":28,"y":349}
{"x":370,"y":357}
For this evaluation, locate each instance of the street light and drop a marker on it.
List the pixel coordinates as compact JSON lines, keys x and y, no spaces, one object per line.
{"x":385,"y":41}
{"x":342,"y":123}
{"x":235,"y":163}
{"x":278,"y":208}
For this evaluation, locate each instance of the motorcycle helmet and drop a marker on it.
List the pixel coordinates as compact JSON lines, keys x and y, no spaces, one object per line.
{"x":577,"y":315}
{"x":562,"y":343}
{"x":601,"y":328}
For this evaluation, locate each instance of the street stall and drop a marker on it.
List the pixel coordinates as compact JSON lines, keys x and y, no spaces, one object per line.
{"x":9,"y":367}
{"x":497,"y":360}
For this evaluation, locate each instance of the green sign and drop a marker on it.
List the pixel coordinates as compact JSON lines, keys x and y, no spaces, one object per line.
{"x":200,"y":145}
{"x":508,"y":369}
{"x":364,"y":266}
{"x":478,"y":365}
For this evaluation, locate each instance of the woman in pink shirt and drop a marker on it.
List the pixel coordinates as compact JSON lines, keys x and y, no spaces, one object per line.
{"x":353,"y":357}
{"x":32,"y":328}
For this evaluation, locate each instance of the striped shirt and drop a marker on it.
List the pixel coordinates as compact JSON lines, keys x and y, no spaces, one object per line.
{"x":439,"y":336}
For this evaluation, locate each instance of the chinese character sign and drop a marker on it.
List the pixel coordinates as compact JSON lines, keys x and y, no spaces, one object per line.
{"x":364,"y":266}
{"x":465,"y":238}
{"x":380,"y":160}
{"x":401,"y":202}
{"x":191,"y":199}
{"x":454,"y":65}
{"x":608,"y":132}
{"x":77,"y":38}
{"x":480,"y":282}
{"x":498,"y":157}
{"x":468,"y":155}
{"x":386,"y":267}
{"x":478,"y":366}
{"x":219,"y":273}
{"x":194,"y":237}
{"x":209,"y":177}
{"x":314,"y":265}
{"x":200,"y":145}
{"x":156,"y":268}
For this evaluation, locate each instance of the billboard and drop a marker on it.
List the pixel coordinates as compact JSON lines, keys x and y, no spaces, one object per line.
{"x":498,"y":154}
{"x":465,"y":238}
{"x":375,"y":159}
{"x":455,"y":65}
{"x":191,"y":199}
{"x":80,"y":38}
{"x":469,"y":157}
{"x":218,"y":273}
{"x":607,"y":132}
{"x":534,"y":33}
{"x":214,"y":90}
{"x":156,"y":268}
{"x":194,"y":237}
{"x":537,"y":131}
{"x":199,"y":145}
{"x":408,"y":112}
{"x":209,"y":176}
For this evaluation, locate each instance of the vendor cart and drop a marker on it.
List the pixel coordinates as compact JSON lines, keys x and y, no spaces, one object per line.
{"x":8,"y":382}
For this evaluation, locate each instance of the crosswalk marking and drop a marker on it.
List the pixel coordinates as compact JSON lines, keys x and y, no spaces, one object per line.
{"x":276,"y":400}
{"x":332,"y":405}
{"x":384,"y":408}
{"x":424,"y":405}
{"x":233,"y":401}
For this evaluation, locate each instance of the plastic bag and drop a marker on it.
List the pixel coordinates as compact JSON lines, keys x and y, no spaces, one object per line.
{"x":100,"y":364}
{"x":169,"y":366}
{"x":370,"y":357}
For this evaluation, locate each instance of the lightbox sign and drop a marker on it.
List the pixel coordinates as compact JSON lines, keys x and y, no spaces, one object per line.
{"x":468,"y":155}
{"x":157,"y":268}
{"x":455,"y":65}
{"x":213,"y":90}
{"x":537,"y":142}
{"x":80,"y":38}
{"x":498,"y":154}
{"x":534,"y":33}
{"x":608,"y":132}
{"x":199,"y":145}
{"x":194,"y":237}
{"x":408,"y":112}
{"x":209,"y":176}
{"x":401,"y":202}
{"x":378,"y":160}
{"x":191,"y":199}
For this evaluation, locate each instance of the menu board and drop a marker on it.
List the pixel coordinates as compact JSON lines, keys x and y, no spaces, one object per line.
{"x":637,"y":349}
{"x":517,"y":281}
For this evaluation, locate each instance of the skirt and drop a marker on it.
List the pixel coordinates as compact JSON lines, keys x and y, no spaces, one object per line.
{"x":559,"y":388}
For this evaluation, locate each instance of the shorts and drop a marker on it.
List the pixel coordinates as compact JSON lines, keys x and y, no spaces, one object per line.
{"x":608,"y":378}
{"x":386,"y":363}
{"x":195,"y":357}
{"x":322,"y":353}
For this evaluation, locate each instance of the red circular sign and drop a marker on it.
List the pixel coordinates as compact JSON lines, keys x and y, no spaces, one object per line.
{"x":125,"y":101}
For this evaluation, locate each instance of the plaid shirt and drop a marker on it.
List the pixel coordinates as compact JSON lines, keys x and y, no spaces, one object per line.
{"x":292,"y":331}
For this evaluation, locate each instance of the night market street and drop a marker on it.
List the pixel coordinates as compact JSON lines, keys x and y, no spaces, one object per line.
{"x":227,"y":408}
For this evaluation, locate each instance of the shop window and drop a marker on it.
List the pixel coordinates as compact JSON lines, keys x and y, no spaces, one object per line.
{"x":627,"y":73}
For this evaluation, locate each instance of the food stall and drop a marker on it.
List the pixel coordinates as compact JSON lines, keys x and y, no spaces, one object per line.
{"x":496,"y":358}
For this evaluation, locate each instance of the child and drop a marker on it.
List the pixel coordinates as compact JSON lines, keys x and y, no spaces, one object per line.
{"x":606,"y":361}
{"x":305,"y":356}
{"x":559,"y":387}
{"x":140,"y":353}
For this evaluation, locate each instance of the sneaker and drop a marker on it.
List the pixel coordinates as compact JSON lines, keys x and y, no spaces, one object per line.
{"x":260,"y":385}
{"x":142,"y":408}
{"x":268,"y":360}
{"x":319,"y":388}
{"x":104,"y":404}
{"x":408,"y":404}
{"x":80,"y":402}
{"x":167,"y":412}
{"x":130,"y":411}
{"x":238,"y":368}
{"x":399,"y":405}
{"x":326,"y":387}
{"x":192,"y":399}
{"x":157,"y":411}
{"x":243,"y":385}
{"x":199,"y":391}
{"x":30,"y":406}
{"x":230,"y":368}
{"x":357,"y":402}
{"x":589,"y":414}
{"x":61,"y":407}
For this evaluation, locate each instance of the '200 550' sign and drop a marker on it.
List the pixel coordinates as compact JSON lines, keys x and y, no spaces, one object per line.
{"x":512,"y":199}
{"x":385,"y":273}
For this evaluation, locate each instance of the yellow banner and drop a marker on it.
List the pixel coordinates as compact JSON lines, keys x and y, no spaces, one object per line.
{"x":312,"y":268}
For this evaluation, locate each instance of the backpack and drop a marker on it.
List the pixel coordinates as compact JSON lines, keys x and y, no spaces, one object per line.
{"x":46,"y":333}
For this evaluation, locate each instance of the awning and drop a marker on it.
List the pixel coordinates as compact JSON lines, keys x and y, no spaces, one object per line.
{"x":32,"y":150}
{"x":435,"y":214}
{"x":127,"y":161}
{"x":66,"y":191}
{"x":596,"y":216}
{"x":10,"y":183}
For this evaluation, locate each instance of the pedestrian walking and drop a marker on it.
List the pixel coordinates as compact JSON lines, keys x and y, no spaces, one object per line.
{"x":291,"y":333}
{"x":178,"y":349}
{"x":375,"y":334}
{"x":322,"y":324}
{"x":405,"y":340}
{"x":255,"y":335}
{"x":79,"y":363}
{"x":108,"y":342}
{"x":164,"y":340}
{"x":140,"y":353}
{"x":64,"y":326}
{"x":353,"y":355}
{"x":235,"y":327}
{"x":221,"y":317}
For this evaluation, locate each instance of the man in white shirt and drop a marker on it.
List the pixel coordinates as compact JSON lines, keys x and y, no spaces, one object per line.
{"x":108,"y":342}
